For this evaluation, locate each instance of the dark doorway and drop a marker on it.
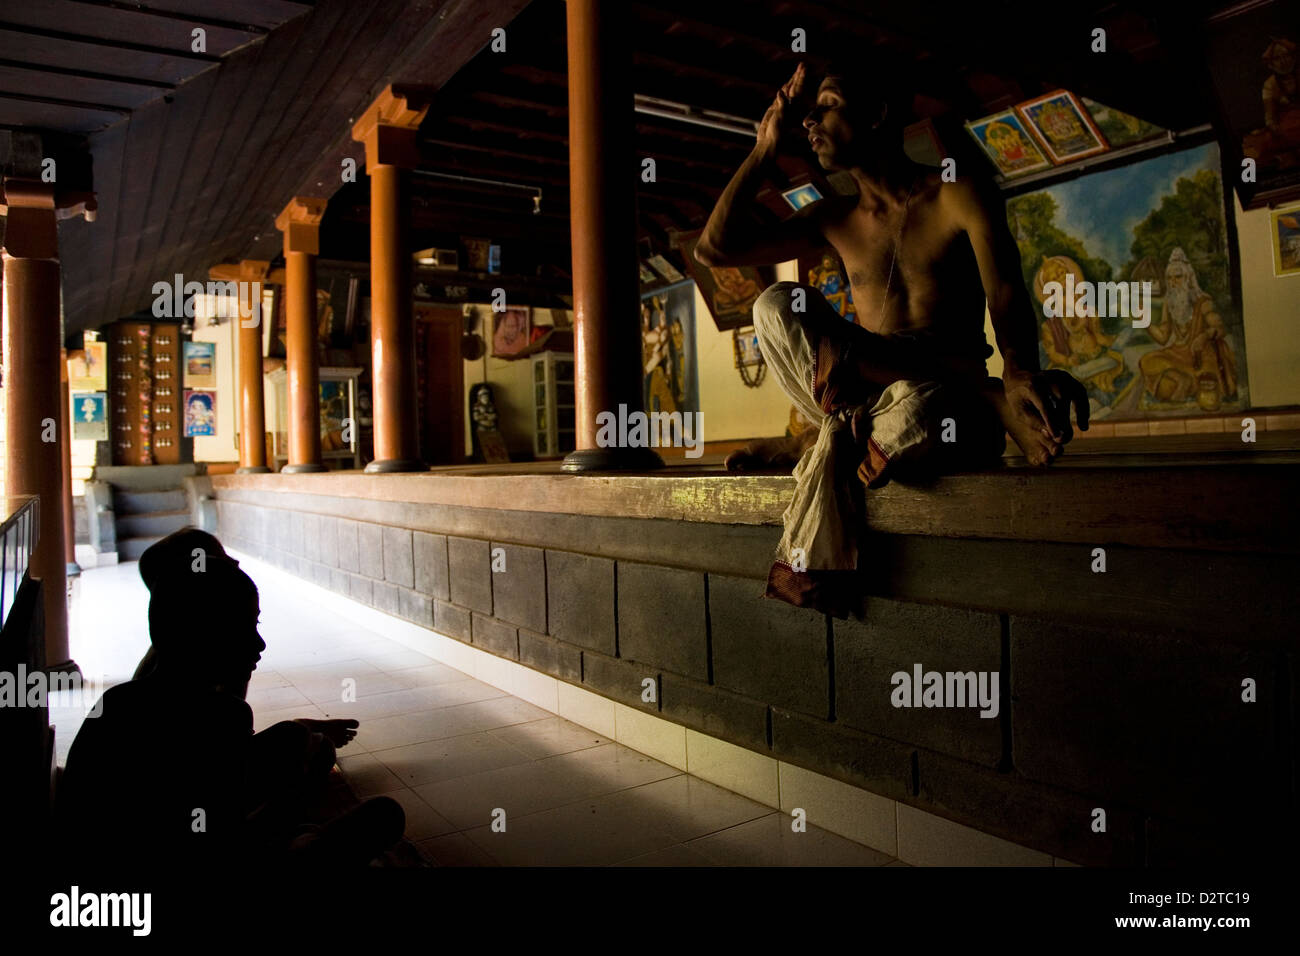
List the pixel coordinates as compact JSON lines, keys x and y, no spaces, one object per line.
{"x":440,"y":384}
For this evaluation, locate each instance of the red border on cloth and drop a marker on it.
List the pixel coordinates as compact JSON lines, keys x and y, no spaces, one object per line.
{"x":831,"y":592}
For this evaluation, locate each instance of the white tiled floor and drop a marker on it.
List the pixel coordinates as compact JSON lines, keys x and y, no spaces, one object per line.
{"x":457,"y":753}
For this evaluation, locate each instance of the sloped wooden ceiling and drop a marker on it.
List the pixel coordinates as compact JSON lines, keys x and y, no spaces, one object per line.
{"x":194,"y":154}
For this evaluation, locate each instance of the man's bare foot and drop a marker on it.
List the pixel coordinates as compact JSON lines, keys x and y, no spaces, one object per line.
{"x":1027,"y":431}
{"x":772,"y":454}
{"x":338,"y":732}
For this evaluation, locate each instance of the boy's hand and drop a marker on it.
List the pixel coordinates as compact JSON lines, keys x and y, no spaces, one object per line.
{"x":338,"y":732}
{"x":779,"y":118}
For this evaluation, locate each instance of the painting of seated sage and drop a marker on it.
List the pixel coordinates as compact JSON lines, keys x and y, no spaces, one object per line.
{"x":1129,"y":272}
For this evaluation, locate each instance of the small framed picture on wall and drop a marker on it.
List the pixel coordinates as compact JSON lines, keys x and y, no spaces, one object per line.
{"x":511,"y":331}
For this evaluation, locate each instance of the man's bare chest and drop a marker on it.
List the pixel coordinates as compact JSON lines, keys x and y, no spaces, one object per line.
{"x":884,"y":246}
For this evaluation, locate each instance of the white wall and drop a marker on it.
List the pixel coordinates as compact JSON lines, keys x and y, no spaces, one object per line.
{"x":1271,"y":313}
{"x":511,"y":383}
{"x":731,"y":409}
{"x":221,"y":446}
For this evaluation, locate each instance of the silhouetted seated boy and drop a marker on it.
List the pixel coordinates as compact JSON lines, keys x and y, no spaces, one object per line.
{"x":184,"y":546}
{"x":171,"y":771}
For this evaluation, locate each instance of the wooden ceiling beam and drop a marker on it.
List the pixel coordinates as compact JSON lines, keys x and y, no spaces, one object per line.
{"x":552,"y":110}
{"x":198,"y":20}
{"x":497,"y":151}
{"x":180,"y":53}
{"x":478,"y":124}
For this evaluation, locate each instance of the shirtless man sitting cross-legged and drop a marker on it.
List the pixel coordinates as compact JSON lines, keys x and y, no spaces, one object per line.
{"x":923,"y":257}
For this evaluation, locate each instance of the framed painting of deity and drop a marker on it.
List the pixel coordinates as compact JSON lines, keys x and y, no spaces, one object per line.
{"x":729,"y":292}
{"x":511,"y":331}
{"x":200,"y":412}
{"x":1008,"y":145}
{"x":670,"y":377}
{"x":824,"y":271}
{"x":1253,"y":61}
{"x":1285,"y":227}
{"x":1063,"y":126}
{"x":1149,"y":323}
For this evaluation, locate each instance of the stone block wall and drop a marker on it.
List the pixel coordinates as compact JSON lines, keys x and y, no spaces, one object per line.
{"x":1145,"y":724}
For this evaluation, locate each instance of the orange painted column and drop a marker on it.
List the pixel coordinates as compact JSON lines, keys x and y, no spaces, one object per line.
{"x":34,"y":434}
{"x":252,"y":398}
{"x":602,"y":190}
{"x":388,"y":130}
{"x":300,"y":223}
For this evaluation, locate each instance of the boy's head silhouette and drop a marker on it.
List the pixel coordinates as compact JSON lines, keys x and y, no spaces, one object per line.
{"x":203,"y":611}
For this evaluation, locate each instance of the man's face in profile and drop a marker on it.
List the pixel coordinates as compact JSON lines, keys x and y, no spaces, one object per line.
{"x":829,"y":125}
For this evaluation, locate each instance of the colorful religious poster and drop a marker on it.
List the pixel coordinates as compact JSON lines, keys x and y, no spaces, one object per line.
{"x":1129,"y":273}
{"x":200,"y":413}
{"x":89,"y":416}
{"x":335,"y":413}
{"x":668,"y":360}
{"x":1286,"y":240}
{"x":1063,"y":126}
{"x":1008,"y":144}
{"x":199,"y":361}
{"x":729,"y":292}
{"x":511,"y":331}
{"x":88,"y":368}
{"x":1253,"y":60}
{"x":825,"y":273}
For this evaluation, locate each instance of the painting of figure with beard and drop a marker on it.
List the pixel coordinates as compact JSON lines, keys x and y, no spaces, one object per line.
{"x":1160,"y":221}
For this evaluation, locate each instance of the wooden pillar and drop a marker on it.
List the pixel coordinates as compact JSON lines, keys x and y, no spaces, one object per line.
{"x":388,"y":131}
{"x":300,"y":223}
{"x":65,"y":433}
{"x":34,"y":433}
{"x":252,"y":400}
{"x":602,"y":190}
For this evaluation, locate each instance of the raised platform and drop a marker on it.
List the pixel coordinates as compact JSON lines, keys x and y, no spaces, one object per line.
{"x":1120,"y":690}
{"x":1214,"y":500}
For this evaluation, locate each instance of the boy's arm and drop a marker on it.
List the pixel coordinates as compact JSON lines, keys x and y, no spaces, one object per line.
{"x":1044,"y":397}
{"x":729,"y":236}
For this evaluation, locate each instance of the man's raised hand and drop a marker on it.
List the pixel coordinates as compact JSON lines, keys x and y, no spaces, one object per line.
{"x":779,"y":118}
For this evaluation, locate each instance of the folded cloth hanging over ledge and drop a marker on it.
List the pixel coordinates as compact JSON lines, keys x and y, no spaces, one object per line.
{"x":869,"y":431}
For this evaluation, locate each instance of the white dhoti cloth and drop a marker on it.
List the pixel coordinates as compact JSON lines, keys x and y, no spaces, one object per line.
{"x":899,"y":427}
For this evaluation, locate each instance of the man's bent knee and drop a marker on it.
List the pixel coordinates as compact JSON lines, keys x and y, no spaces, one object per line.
{"x":782,"y":301}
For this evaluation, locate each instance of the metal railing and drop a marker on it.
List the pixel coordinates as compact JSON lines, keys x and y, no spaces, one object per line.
{"x":18,"y":534}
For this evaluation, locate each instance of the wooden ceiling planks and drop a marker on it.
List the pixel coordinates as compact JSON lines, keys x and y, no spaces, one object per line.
{"x":186,"y":183}
{"x":126,"y":26}
{"x":305,"y":119}
{"x":164,"y":202}
{"x":289,"y":59}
